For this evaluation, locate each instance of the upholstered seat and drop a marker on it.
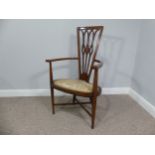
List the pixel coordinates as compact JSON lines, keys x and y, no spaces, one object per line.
{"x":74,"y":85}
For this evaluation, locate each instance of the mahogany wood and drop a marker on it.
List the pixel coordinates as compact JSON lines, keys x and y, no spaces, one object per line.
{"x":88,"y":39}
{"x":60,"y":104}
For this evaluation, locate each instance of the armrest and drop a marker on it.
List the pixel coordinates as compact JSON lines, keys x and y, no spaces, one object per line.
{"x":61,"y":59}
{"x":95,"y":80}
{"x":98,"y":65}
{"x":51,"y":68}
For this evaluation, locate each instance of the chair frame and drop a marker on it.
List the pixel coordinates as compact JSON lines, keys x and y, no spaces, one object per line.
{"x":94,"y":66}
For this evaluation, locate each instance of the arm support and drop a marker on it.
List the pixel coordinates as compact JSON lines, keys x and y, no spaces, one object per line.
{"x":54,"y":60}
{"x":96,"y":67}
{"x":61,"y":59}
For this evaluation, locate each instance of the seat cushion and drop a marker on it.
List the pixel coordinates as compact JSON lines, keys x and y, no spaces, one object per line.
{"x":74,"y":85}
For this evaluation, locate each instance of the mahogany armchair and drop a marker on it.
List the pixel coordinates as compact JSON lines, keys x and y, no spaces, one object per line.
{"x":88,"y":39}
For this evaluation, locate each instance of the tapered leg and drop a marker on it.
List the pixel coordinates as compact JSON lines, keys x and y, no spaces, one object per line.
{"x":74,"y":97}
{"x":52,"y":100}
{"x":93,"y":112}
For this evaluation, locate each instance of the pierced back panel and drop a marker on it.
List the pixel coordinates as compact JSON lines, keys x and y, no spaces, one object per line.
{"x":88,"y":39}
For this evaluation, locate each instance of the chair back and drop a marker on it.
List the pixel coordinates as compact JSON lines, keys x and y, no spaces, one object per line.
{"x":88,"y":39}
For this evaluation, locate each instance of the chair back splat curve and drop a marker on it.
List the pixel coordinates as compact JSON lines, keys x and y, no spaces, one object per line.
{"x":88,"y":40}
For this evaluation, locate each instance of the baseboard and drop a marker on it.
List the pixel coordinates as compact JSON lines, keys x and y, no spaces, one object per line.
{"x":115,"y":91}
{"x":46,"y":92}
{"x":27,"y":92}
{"x":142,"y":102}
{"x":105,"y":91}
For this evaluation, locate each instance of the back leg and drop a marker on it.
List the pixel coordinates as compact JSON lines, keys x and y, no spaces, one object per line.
{"x":52,"y":100}
{"x":74,"y":98}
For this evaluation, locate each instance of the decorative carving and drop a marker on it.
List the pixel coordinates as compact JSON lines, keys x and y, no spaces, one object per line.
{"x":88,"y":42}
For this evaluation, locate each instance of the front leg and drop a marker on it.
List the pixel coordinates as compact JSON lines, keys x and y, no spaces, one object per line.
{"x":52,"y":100}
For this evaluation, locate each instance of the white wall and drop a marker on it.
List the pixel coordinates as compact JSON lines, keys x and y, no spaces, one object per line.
{"x":144,"y":73}
{"x":25,"y":44}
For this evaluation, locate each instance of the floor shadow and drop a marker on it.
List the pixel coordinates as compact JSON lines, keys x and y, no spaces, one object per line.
{"x":103,"y":99}
{"x":74,"y":110}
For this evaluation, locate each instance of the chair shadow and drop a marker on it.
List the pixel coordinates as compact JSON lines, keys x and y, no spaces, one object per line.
{"x":113,"y":48}
{"x":4,"y":84}
{"x":103,"y":109}
{"x":74,"y":110}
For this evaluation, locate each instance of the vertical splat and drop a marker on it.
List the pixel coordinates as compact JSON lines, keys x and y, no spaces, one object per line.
{"x":88,"y":42}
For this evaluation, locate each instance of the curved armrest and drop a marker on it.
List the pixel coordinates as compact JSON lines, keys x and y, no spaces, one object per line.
{"x":98,"y":65}
{"x":95,"y":80}
{"x":51,"y":68}
{"x":61,"y":59}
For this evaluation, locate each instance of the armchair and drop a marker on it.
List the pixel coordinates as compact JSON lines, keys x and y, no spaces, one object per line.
{"x":88,"y":39}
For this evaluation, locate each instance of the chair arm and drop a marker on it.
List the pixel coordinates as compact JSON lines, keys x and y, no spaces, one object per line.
{"x":95,"y":80}
{"x":61,"y":59}
{"x":98,"y":65}
{"x":51,"y":68}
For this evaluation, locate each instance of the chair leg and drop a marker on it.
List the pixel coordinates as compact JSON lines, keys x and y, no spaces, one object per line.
{"x":74,"y":97}
{"x":52,"y":100}
{"x":93,"y":112}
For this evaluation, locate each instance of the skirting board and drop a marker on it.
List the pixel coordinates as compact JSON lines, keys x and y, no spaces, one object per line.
{"x":27,"y":92}
{"x":115,"y":91}
{"x":24,"y":92}
{"x":46,"y":92}
{"x":105,"y":91}
{"x":142,"y":102}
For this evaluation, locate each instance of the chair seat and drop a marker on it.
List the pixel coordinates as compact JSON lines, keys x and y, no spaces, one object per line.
{"x":74,"y":85}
